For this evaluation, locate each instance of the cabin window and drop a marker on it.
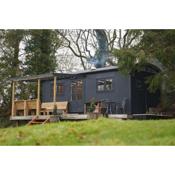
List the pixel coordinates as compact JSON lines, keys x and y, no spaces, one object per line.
{"x":104,"y":85}
{"x":108,"y":84}
{"x":60,"y":89}
{"x":101,"y":85}
{"x":77,"y":90}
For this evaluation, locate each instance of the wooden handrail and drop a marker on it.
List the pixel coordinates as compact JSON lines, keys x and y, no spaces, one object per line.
{"x":33,"y":119}
{"x":48,"y":118}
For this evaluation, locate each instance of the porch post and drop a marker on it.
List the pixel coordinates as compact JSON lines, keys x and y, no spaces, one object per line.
{"x":13,"y":99}
{"x":25,"y":107}
{"x":38,"y":98}
{"x":85,"y":109}
{"x":55,"y":90}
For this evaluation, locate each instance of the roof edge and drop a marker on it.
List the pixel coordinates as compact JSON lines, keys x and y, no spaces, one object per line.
{"x":51,"y":75}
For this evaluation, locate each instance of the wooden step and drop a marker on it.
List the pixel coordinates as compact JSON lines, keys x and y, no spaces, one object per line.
{"x":38,"y":121}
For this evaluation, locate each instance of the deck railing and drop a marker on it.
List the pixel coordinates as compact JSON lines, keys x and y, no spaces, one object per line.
{"x":30,"y":107}
{"x":25,"y":107}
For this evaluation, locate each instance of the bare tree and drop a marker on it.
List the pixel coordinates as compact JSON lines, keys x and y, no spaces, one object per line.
{"x":83,"y":43}
{"x":78,"y":43}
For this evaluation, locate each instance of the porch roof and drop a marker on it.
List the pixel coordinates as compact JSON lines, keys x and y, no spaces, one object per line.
{"x":46,"y":76}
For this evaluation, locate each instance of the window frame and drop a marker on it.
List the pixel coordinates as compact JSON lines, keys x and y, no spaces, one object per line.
{"x":97,"y":85}
{"x":63,"y":89}
{"x":105,"y":89}
{"x":77,"y":94}
{"x":57,"y":94}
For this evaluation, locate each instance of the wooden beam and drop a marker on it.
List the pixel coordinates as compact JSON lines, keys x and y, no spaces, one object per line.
{"x":38,"y":98}
{"x":85,"y":109}
{"x":25,"y":108}
{"x":55,"y":89}
{"x":13,"y":99}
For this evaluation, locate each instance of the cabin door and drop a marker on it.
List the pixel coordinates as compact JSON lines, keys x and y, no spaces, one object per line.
{"x":139,"y":96}
{"x":77,"y":96}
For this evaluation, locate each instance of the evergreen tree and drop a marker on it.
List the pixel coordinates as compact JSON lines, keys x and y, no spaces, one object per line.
{"x":10,"y":65}
{"x":40,"y":52}
{"x":158,"y":47}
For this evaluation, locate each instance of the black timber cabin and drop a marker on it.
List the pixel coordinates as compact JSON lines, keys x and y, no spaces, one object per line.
{"x":122,"y":94}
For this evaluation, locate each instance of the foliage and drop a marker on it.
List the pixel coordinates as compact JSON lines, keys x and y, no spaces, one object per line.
{"x":128,"y":59}
{"x":91,"y":106}
{"x":10,"y":65}
{"x":40,"y":52}
{"x":93,"y":132}
{"x":154,"y":82}
{"x":5,"y":122}
{"x":159,"y":44}
{"x":24,"y":52}
{"x":156,"y":47}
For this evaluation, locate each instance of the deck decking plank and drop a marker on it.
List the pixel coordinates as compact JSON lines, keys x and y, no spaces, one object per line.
{"x":52,"y":117}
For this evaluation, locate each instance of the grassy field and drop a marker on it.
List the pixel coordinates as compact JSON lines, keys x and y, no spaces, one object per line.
{"x":93,"y":132}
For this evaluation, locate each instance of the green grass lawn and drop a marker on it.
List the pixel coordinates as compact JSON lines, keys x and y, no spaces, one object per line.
{"x":93,"y":132}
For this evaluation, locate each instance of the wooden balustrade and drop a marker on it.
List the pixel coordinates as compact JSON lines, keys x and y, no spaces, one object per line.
{"x":25,"y":107}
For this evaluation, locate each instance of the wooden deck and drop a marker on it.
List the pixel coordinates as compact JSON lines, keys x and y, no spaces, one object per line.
{"x":74,"y":117}
{"x":141,"y":116}
{"x":151,"y":116}
{"x":52,"y":117}
{"x":118,"y":116}
{"x":86,"y":117}
{"x":29,"y":117}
